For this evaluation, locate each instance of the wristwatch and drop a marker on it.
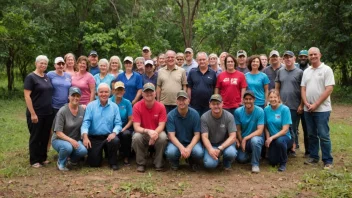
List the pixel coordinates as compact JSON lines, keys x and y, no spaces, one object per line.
{"x":220,"y":148}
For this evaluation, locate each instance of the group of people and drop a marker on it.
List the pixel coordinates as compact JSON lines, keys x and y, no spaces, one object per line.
{"x":202,"y":110}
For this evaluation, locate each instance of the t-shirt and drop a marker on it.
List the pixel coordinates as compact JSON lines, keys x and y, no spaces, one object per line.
{"x":184,"y":127}
{"x":276,"y":119}
{"x":94,"y":70}
{"x":271,"y":73}
{"x":243,"y":70}
{"x":202,"y":87}
{"x":230,"y":86}
{"x":132,"y":85}
{"x":61,"y":85}
{"x":149,"y":118}
{"x":83,"y":82}
{"x":171,"y":82}
{"x":315,"y":81}
{"x":67,"y":123}
{"x":290,"y":86}
{"x":153,"y":79}
{"x":125,"y":107}
{"x":256,"y":83}
{"x":107,"y":79}
{"x":218,"y":129}
{"x":41,"y":95}
{"x":249,"y":122}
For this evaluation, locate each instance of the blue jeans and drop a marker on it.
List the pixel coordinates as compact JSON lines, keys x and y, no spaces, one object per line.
{"x":173,"y":154}
{"x":278,"y":150}
{"x":293,"y":126}
{"x":65,"y":150}
{"x":253,"y":150}
{"x":319,"y":132}
{"x":229,"y":155}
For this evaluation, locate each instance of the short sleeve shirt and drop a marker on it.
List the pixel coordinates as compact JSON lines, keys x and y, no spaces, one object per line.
{"x":315,"y":80}
{"x":83,"y":82}
{"x":276,"y":119}
{"x":125,"y":108}
{"x":249,"y":122}
{"x":107,"y":79}
{"x":149,"y":118}
{"x":67,"y":123}
{"x":271,"y":73}
{"x":153,"y":79}
{"x":256,"y":83}
{"x":132,"y":85}
{"x":41,"y":93}
{"x":218,"y":129}
{"x":171,"y":82}
{"x":61,"y":85}
{"x":230,"y":86}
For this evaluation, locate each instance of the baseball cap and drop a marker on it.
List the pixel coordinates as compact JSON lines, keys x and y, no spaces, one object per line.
{"x":128,"y":58}
{"x":182,"y":94}
{"x":303,"y":53}
{"x":146,"y":48}
{"x":74,"y":90}
{"x":290,"y":53}
{"x":248,"y":92}
{"x":216,"y":97}
{"x":119,"y":84}
{"x":93,"y":53}
{"x":189,"y":50}
{"x":149,"y":62}
{"x":241,"y":52}
{"x":148,"y":86}
{"x":274,"y":52}
{"x":59,"y":60}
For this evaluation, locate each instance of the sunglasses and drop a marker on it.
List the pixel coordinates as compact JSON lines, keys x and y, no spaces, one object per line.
{"x":179,"y":59}
{"x":61,"y":64}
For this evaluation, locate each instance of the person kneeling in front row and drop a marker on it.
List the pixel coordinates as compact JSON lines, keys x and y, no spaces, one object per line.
{"x":101,"y":125}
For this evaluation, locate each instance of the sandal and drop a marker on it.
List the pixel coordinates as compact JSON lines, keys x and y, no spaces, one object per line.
{"x":36,"y":165}
{"x":46,"y":162}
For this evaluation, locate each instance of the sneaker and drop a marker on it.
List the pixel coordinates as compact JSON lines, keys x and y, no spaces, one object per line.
{"x":140,"y":169}
{"x":37,"y":165}
{"x":160,"y":169}
{"x":292,"y":153}
{"x":255,"y":169}
{"x":282,"y":168}
{"x":328,"y":166}
{"x":227,"y":168}
{"x":61,"y":168}
{"x":70,"y":163}
{"x":311,"y":161}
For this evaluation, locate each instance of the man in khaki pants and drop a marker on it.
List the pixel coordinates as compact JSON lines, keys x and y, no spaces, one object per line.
{"x":149,"y":118}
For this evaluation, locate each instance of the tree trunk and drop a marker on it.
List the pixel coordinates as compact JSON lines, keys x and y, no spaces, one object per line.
{"x":9,"y":70}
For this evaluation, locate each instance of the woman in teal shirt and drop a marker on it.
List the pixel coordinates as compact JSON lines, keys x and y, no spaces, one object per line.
{"x":125,"y":108}
{"x":277,"y":123}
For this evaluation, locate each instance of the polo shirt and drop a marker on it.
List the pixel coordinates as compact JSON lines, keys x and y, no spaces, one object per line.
{"x":256,"y":83}
{"x":315,"y":80}
{"x":276,"y":119}
{"x":271,"y":73}
{"x":290,"y":86}
{"x":61,"y":85}
{"x":249,"y":122}
{"x":149,"y":118}
{"x":101,"y":120}
{"x":125,"y":109}
{"x":170,"y":83}
{"x":202,"y":87}
{"x":132,"y":85}
{"x":184,"y":127}
{"x":153,"y":79}
{"x":230,"y":86}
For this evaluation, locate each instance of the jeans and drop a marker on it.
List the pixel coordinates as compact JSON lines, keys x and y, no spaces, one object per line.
{"x":319,"y":132}
{"x":278,"y":150}
{"x":229,"y":155}
{"x":173,"y":154}
{"x":253,"y":149}
{"x":305,"y":132}
{"x":293,"y":126}
{"x":65,"y":150}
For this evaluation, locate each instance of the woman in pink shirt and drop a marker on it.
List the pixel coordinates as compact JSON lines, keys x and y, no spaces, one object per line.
{"x":84,"y":81}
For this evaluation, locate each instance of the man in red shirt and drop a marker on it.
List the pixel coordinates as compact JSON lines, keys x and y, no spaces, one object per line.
{"x":149,"y":118}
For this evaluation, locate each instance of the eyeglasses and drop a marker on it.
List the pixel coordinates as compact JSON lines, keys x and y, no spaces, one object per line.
{"x":179,"y":59}
{"x":61,"y":64}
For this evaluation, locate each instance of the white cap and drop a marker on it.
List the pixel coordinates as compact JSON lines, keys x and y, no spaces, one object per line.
{"x":59,"y":60}
{"x":128,"y":58}
{"x":146,"y":48}
{"x":149,"y":62}
{"x":274,"y":52}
